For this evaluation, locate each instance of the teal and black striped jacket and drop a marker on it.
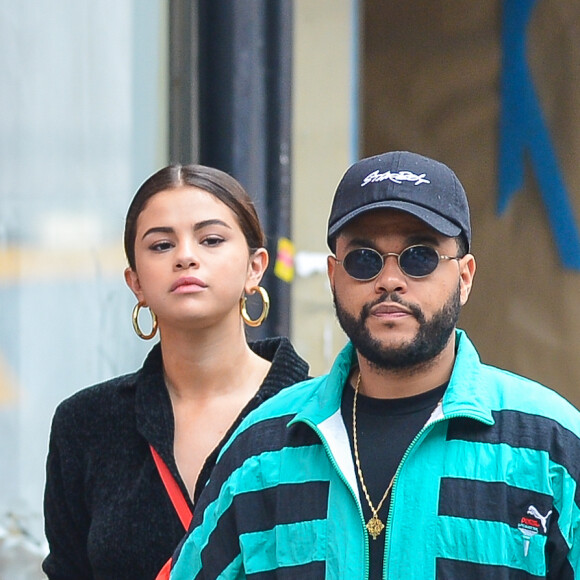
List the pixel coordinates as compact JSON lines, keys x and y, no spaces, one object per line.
{"x":489,"y":488}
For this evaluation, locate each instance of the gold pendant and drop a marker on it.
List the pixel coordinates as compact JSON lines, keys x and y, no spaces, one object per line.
{"x":375,"y":527}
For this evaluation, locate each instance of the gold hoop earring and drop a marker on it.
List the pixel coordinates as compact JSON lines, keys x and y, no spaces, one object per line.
{"x":265,"y":307}
{"x":135,"y":318}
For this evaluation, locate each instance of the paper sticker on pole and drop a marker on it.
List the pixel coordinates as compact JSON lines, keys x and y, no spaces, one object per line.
{"x":284,"y":266}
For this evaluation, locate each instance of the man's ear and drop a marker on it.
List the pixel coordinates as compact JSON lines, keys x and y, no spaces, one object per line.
{"x":330,"y":269}
{"x":467,"y":269}
{"x":132,"y":280}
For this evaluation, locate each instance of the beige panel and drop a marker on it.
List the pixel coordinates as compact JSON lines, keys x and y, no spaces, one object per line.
{"x":431,"y":85}
{"x":322,"y":109}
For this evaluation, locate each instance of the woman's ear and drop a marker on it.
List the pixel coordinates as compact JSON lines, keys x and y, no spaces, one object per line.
{"x":132,"y":280}
{"x":256,"y":268}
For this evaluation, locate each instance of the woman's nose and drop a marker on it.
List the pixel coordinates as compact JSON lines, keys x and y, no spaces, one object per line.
{"x":186,"y":257}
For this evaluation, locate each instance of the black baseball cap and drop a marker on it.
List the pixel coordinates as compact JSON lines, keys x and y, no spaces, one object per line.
{"x":406,"y":181}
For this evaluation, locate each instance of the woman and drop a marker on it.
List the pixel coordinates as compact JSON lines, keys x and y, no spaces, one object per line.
{"x":128,"y":457}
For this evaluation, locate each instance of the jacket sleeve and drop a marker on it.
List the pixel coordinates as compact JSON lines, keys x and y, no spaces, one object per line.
{"x":563,"y":538}
{"x":65,"y":511}
{"x":211,"y":548}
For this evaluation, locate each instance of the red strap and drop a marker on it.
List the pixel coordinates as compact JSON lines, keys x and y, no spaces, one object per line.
{"x":165,"y":571}
{"x":177,"y":499}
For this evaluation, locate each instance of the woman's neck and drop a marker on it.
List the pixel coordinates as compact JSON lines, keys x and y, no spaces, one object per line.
{"x":208,"y":363}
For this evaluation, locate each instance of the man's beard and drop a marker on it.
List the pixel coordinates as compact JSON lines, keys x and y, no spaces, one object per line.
{"x":428,"y":343}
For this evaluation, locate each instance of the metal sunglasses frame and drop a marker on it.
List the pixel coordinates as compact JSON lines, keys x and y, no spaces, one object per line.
{"x":383,"y":258}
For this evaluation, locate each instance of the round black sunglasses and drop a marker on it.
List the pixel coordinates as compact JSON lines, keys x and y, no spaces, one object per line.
{"x":417,"y":261}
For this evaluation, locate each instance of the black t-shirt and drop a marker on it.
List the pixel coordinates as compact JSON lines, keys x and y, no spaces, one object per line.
{"x":385,"y":429}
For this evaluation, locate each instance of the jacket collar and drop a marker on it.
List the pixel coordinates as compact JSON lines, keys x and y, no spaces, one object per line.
{"x":467,"y":394}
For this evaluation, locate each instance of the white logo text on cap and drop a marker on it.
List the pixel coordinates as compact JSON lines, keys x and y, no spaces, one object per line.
{"x":394,"y":177}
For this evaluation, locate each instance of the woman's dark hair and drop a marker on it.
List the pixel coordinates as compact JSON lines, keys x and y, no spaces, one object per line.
{"x":217,"y":183}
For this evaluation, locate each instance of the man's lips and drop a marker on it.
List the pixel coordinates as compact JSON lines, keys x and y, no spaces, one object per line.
{"x":390,"y":309}
{"x":188,"y":283}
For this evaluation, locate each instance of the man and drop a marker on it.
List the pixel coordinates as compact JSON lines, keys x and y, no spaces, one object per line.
{"x":410,"y":459}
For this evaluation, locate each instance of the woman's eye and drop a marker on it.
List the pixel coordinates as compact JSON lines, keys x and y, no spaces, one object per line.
{"x":161,"y":246}
{"x":212,"y":241}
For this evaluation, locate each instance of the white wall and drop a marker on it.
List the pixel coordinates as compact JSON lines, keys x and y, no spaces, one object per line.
{"x":325,"y":132}
{"x":82,"y":122}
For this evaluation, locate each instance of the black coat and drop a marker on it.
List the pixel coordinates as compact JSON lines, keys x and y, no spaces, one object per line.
{"x":107,"y":514}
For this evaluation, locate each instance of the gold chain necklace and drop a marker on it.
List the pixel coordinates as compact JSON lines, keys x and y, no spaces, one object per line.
{"x":374,"y":526}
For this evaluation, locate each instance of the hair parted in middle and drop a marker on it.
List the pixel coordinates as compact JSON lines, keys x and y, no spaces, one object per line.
{"x":215,"y":182}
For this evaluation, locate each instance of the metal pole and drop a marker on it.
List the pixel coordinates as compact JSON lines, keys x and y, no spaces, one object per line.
{"x":244,"y":59}
{"x":183,"y":82}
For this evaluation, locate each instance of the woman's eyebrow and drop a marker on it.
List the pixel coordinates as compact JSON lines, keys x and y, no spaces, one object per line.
{"x":198,"y":226}
{"x":158,"y":230}
{"x":210,"y":222}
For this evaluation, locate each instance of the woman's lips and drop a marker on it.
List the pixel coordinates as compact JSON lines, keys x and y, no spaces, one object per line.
{"x":188,"y":284}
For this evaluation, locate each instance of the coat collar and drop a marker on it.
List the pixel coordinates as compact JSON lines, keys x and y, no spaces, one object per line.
{"x":153,"y":409}
{"x":465,"y":396}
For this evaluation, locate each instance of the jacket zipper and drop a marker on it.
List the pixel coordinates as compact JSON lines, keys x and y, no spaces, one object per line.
{"x":352,"y":492}
{"x":415,"y":441}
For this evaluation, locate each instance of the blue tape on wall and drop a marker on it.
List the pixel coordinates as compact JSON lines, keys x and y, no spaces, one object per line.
{"x":523,"y":129}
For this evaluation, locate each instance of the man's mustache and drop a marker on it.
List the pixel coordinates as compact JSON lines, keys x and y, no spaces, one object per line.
{"x":394,"y":298}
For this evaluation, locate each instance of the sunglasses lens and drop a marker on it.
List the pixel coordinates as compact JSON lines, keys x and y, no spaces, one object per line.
{"x":419,"y":261}
{"x":363,"y":264}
